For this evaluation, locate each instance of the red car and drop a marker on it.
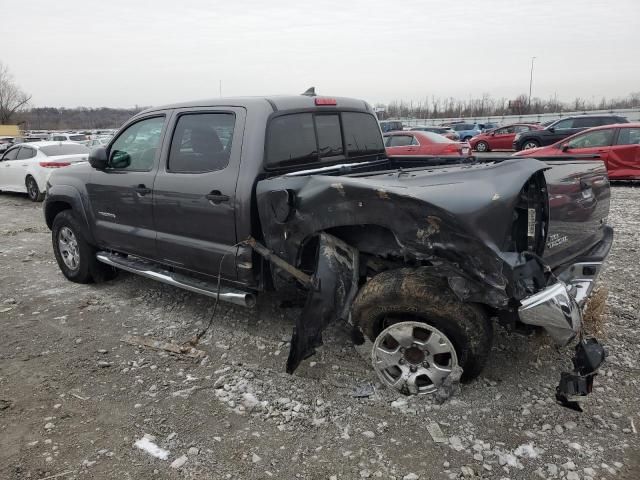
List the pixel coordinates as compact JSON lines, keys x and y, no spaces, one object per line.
{"x":617,"y":145}
{"x":501,"y":138}
{"x":423,"y":143}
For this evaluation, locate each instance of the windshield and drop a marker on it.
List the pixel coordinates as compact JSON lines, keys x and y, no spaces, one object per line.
{"x":67,"y":149}
{"x":77,"y":138}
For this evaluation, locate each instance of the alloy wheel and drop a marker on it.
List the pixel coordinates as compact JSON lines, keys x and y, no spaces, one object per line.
{"x":68,"y":247}
{"x":413,"y":357}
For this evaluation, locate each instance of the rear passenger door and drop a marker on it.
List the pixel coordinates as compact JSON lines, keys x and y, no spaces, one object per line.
{"x":195,"y":190}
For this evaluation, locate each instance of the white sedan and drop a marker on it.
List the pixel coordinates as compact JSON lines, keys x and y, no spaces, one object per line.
{"x":26,"y":167}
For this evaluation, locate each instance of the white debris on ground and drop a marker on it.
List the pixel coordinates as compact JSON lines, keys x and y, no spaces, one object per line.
{"x":146,"y":444}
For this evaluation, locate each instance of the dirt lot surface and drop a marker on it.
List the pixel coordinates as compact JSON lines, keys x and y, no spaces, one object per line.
{"x":74,"y":399}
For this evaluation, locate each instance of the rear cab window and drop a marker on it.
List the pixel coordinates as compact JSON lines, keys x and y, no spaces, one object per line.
{"x":307,"y":138}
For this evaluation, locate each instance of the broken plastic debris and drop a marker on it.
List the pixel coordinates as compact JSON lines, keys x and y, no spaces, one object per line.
{"x":363,"y":391}
{"x":151,"y":448}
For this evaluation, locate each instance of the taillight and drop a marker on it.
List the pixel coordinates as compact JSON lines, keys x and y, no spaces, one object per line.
{"x":452,"y":147}
{"x":54,"y":164}
{"x":326,"y":101}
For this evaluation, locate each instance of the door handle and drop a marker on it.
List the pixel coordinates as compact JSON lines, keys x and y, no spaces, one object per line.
{"x":216,"y":197}
{"x":142,"y":189}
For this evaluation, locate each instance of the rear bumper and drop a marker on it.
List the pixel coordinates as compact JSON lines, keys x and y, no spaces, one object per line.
{"x":558,"y":308}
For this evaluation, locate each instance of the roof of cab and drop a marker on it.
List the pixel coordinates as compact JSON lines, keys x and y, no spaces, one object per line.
{"x":273,"y":103}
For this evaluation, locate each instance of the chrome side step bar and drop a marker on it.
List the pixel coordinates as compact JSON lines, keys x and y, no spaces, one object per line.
{"x":155,"y":272}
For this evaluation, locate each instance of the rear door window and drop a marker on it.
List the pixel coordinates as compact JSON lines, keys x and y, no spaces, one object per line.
{"x":201,"y":142}
{"x":26,"y":153}
{"x":629,"y":136}
{"x":400,"y":140}
{"x":588,"y":122}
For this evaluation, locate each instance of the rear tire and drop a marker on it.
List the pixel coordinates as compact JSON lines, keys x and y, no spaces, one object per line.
{"x":482,"y":147}
{"x":466,"y":139}
{"x":529,"y":144}
{"x":75,"y":256}
{"x":414,"y":295}
{"x":33,"y":191}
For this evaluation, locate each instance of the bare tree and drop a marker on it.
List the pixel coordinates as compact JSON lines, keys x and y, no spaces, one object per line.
{"x":12,"y":98}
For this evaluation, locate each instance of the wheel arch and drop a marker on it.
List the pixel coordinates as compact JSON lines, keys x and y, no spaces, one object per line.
{"x":64,"y":197}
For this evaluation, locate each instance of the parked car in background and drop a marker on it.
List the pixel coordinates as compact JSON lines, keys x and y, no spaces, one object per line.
{"x":391,"y":126}
{"x":8,"y":142}
{"x":70,"y":137}
{"x":618,"y":146}
{"x":423,"y":143}
{"x":98,"y":142}
{"x":562,"y":128}
{"x":500,"y":138}
{"x":447,"y":132}
{"x":25,"y":167}
{"x":466,"y":131}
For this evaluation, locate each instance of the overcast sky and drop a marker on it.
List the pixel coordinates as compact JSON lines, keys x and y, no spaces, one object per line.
{"x":123,"y":53}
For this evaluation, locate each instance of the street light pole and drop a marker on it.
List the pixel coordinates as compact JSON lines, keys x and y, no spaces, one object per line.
{"x":531,"y":81}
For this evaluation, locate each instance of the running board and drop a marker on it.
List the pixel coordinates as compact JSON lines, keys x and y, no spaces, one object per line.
{"x":155,"y":272}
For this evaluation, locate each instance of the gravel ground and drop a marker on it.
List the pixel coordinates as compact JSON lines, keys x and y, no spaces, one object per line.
{"x":75,"y":401}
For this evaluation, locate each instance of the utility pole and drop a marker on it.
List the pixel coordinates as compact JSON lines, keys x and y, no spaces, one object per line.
{"x":531,"y":81}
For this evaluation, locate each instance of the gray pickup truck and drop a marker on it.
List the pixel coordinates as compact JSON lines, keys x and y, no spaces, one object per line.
{"x":232,"y":197}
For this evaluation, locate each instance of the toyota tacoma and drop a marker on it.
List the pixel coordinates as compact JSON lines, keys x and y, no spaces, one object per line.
{"x":420,"y":255}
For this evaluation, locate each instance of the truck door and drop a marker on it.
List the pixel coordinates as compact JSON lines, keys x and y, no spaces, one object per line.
{"x":121,"y":195}
{"x":195,"y":190}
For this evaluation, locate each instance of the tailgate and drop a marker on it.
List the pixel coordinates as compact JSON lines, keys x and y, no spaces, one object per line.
{"x":578,"y":208}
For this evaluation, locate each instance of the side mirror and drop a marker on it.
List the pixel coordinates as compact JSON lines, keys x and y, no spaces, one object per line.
{"x":119,"y":159}
{"x":493,"y":134}
{"x":551,"y":129}
{"x":98,"y":158}
{"x":565,"y":147}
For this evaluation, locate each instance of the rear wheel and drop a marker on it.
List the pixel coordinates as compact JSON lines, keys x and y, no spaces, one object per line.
{"x":34,"y":193}
{"x":529,"y":144}
{"x":482,"y":147}
{"x":466,"y":139}
{"x":420,"y":330}
{"x":75,"y":256}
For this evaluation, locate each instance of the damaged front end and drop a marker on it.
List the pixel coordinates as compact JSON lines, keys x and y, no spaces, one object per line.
{"x":486,"y":244}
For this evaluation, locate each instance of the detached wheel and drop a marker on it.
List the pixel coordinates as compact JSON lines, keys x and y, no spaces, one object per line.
{"x":482,"y":147}
{"x":529,"y":144}
{"x":34,"y":193}
{"x":420,"y":330}
{"x":75,"y":256}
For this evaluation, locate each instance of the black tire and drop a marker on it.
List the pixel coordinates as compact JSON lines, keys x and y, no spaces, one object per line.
{"x":466,"y":139}
{"x":482,"y":147}
{"x":34,"y":193}
{"x":413,"y":294}
{"x":529,"y":144}
{"x":87,"y":268}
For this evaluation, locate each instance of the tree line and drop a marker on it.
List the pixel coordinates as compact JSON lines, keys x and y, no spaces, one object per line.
{"x":50,"y":118}
{"x":487,"y":106}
